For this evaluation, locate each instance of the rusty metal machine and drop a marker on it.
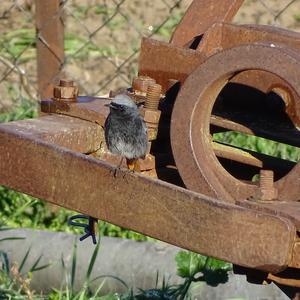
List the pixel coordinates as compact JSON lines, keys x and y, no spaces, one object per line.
{"x":193,"y":191}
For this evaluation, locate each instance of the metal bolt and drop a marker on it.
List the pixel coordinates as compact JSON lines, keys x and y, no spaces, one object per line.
{"x":153,"y":96}
{"x":65,"y":91}
{"x":64,"y":82}
{"x":141,"y":83}
{"x":267,"y":189}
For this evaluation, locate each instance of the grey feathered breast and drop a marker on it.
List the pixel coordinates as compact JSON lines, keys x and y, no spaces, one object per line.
{"x":126,"y":135}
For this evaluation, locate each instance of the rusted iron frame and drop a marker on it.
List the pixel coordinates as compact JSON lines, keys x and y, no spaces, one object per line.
{"x":193,"y":151}
{"x":201,"y":15}
{"x":164,"y":61}
{"x":178,"y":63}
{"x":170,"y":213}
{"x":50,"y":44}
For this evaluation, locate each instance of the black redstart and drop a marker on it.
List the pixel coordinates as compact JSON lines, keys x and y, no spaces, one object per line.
{"x":126,"y":131}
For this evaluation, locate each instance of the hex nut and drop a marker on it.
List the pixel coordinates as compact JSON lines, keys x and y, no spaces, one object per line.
{"x":151,"y":117}
{"x":65,"y":92}
{"x":140,"y":84}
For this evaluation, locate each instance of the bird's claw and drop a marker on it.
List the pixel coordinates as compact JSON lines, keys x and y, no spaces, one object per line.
{"x":89,"y":228}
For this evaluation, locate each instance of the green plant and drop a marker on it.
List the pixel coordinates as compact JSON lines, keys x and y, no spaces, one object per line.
{"x":193,"y":268}
{"x":13,"y":283}
{"x":259,"y":145}
{"x":297,"y":17}
{"x":68,"y":292}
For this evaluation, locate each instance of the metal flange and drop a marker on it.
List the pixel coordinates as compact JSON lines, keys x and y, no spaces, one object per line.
{"x":191,"y":140}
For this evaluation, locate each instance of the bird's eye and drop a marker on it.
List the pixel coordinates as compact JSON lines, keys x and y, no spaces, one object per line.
{"x":122,"y":107}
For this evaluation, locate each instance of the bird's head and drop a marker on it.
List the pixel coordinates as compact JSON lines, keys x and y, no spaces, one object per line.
{"x":123,"y":105}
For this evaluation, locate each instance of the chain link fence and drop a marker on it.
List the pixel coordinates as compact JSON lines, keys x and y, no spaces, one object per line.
{"x":101,"y":39}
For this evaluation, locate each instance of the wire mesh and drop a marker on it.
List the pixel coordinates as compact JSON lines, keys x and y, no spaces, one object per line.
{"x":102,"y":40}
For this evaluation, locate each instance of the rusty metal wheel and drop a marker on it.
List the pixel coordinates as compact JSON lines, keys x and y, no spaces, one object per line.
{"x":200,"y":160}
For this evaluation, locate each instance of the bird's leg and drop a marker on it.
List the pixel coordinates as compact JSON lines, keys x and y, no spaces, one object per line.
{"x":118,"y":167}
{"x":133,"y":165}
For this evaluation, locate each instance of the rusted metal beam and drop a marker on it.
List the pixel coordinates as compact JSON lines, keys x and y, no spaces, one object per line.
{"x":164,"y":61}
{"x":50,"y":44}
{"x":75,"y":134}
{"x":91,"y":109}
{"x":169,"y":213}
{"x":201,"y":15}
{"x":290,"y":210}
{"x":224,"y":36}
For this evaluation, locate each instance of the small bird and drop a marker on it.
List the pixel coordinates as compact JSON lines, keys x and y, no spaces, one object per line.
{"x":126,"y":131}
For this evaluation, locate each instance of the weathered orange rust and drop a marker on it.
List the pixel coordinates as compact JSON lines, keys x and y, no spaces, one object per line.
{"x":190,"y":131}
{"x":201,"y":15}
{"x":140,"y":84}
{"x":266,"y":185}
{"x":212,"y":62}
{"x":167,"y":61}
{"x":73,"y":133}
{"x":88,"y":185}
{"x":152,"y":96}
{"x":50,"y":44}
{"x":65,"y":91}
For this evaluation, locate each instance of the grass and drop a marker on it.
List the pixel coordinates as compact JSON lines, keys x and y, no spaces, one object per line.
{"x":22,"y":43}
{"x":258,"y":144}
{"x":15,"y":282}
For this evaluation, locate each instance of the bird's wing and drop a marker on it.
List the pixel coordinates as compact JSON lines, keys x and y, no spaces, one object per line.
{"x":144,"y":127}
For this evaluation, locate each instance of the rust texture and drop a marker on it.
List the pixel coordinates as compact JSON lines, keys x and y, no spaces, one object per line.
{"x":141,"y":83}
{"x":50,"y":44}
{"x":182,"y":88}
{"x":167,"y":61}
{"x":82,"y":183}
{"x":201,"y":15}
{"x":91,"y":109}
{"x":190,"y":127}
{"x":290,"y":210}
{"x":266,"y":184}
{"x":223,"y":36}
{"x":164,"y":61}
{"x":152,"y":96}
{"x":65,"y":91}
{"x":72,"y":133}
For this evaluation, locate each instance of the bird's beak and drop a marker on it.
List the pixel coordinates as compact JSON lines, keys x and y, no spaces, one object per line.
{"x":111,"y":105}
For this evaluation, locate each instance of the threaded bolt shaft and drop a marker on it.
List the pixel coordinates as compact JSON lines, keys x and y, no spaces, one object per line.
{"x":268,"y":191}
{"x":153,"y":96}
